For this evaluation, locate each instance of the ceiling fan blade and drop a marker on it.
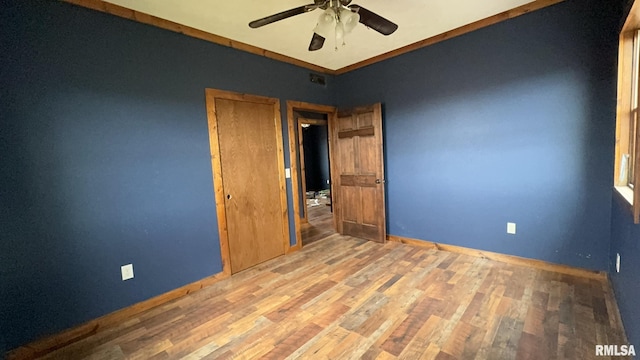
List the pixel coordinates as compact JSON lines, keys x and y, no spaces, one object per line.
{"x":282,"y":15}
{"x":317,"y":42}
{"x":374,"y":21}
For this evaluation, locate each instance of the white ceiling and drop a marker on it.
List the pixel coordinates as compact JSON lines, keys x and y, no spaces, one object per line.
{"x":417,"y":20}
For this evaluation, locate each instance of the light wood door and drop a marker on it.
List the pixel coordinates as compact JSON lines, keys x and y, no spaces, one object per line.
{"x":252,"y":176}
{"x":357,"y":139}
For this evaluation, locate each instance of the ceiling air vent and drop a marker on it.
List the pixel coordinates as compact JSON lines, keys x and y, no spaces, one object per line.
{"x":317,"y":79}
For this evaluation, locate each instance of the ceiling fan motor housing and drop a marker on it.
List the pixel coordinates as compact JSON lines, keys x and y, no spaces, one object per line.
{"x":333,"y":4}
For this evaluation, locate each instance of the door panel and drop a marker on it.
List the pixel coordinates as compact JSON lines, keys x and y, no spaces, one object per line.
{"x":360,"y":209}
{"x":368,"y":161}
{"x":365,"y":120}
{"x":350,"y":196}
{"x":368,"y":201}
{"x":247,"y":137}
{"x":346,"y":155}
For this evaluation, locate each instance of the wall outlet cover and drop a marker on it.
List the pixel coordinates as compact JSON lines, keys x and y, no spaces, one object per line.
{"x":617,"y":262}
{"x":511,"y":228}
{"x":127,"y":272}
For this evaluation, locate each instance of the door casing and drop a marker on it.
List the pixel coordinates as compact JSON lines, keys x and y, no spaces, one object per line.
{"x":330,"y":111}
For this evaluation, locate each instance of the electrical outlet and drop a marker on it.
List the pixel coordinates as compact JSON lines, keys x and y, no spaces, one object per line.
{"x":511,"y":228}
{"x":127,"y":272}
{"x":618,"y":262}
{"x":287,"y":173}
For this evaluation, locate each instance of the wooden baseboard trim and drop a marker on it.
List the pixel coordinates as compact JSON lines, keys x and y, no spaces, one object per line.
{"x":509,"y":259}
{"x":51,"y":343}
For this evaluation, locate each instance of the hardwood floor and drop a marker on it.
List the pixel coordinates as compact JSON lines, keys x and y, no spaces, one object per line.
{"x":319,"y":225}
{"x":342,"y":297}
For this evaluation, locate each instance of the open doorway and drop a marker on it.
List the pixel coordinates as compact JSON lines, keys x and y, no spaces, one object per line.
{"x":357,"y":170}
{"x":311,"y":171}
{"x":315,"y":176}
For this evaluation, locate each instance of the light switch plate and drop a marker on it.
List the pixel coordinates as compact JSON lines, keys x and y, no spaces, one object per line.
{"x":127,"y":272}
{"x":287,"y":173}
{"x":511,"y":228}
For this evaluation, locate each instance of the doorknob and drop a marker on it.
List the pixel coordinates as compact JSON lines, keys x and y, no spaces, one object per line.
{"x":378,"y":181}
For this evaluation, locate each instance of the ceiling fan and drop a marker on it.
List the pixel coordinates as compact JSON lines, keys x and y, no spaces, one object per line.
{"x":338,"y":15}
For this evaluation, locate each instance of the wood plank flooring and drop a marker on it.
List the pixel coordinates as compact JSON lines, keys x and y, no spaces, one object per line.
{"x":319,"y":225}
{"x":345,"y":298}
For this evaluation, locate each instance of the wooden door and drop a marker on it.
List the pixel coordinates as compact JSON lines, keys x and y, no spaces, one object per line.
{"x":249,"y":136}
{"x":357,"y":140}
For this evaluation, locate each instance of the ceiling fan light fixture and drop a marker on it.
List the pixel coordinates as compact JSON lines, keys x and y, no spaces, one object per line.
{"x":337,"y":20}
{"x":339,"y":34}
{"x":326,"y":23}
{"x":339,"y":31}
{"x":328,"y":16}
{"x":350,"y":19}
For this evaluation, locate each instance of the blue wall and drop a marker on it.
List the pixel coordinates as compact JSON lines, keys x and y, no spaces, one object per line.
{"x":105,"y":154}
{"x":625,"y":240}
{"x":105,"y":160}
{"x":511,"y":123}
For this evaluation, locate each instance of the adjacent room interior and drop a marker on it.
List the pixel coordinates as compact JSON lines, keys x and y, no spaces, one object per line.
{"x":313,"y":157}
{"x":171,"y":193}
